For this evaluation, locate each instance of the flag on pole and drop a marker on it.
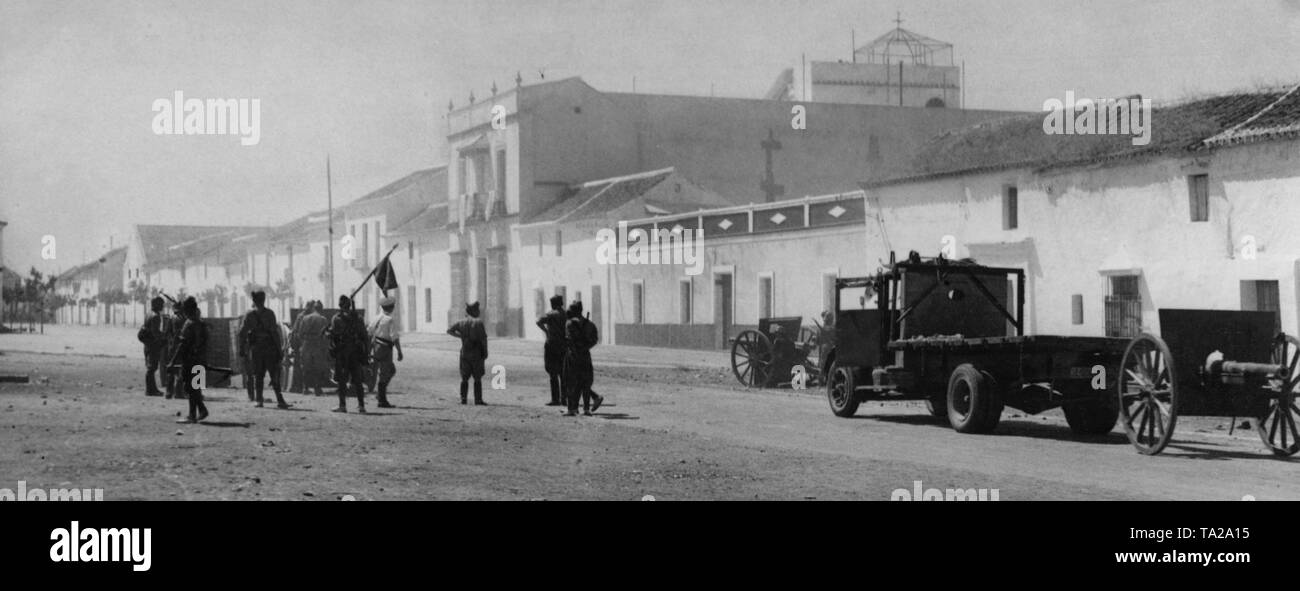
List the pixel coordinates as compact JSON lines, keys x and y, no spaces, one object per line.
{"x":385,"y":278}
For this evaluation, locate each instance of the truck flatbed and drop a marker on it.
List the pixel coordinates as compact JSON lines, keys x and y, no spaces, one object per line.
{"x":1035,"y":343}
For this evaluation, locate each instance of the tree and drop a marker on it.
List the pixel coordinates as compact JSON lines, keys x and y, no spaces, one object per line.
{"x":283,"y":291}
{"x":139,"y":293}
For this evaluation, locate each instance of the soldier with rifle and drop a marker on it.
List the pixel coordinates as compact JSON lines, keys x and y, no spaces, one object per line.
{"x":581,"y":334}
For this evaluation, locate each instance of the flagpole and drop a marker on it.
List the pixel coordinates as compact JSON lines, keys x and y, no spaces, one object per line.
{"x":372,"y":272}
{"x":329,"y":192}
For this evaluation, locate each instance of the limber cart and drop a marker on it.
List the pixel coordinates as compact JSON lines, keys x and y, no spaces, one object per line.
{"x":944,"y":332}
{"x":761,"y":359}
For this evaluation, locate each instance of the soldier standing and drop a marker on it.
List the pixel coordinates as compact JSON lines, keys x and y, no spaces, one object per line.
{"x":191,"y":354}
{"x":312,"y":347}
{"x":552,"y":324}
{"x":385,"y":335}
{"x":473,"y":352}
{"x":260,"y":339}
{"x":581,"y":335}
{"x":347,"y":334}
{"x":153,"y":335}
{"x":171,"y":376}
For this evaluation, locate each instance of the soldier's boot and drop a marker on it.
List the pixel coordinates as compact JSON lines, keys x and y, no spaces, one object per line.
{"x":464,"y":391}
{"x":279,"y":398}
{"x":343,"y":400}
{"x":151,"y":385}
{"x":361,"y":399}
{"x":383,"y":396}
{"x":478,"y":392}
{"x":555,"y":391}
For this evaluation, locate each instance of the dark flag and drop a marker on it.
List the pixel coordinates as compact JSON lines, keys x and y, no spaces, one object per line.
{"x":385,"y":278}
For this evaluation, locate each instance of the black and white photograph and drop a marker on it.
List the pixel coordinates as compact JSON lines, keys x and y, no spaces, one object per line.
{"x":708,"y":250}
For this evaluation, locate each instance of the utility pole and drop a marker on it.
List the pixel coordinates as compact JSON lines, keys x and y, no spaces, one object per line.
{"x":329,"y":258}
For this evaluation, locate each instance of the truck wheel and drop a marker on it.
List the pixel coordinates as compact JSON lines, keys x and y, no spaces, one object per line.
{"x":974,"y":405}
{"x":839,"y":391}
{"x":1091,"y":417}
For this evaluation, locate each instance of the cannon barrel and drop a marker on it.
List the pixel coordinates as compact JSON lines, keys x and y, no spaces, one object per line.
{"x":1236,"y":372}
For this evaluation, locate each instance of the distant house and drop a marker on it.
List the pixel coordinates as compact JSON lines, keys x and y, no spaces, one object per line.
{"x":558,"y":248}
{"x":516,"y":154}
{"x":1110,"y":232}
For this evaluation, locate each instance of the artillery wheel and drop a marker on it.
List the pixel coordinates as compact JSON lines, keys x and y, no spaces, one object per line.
{"x":751,"y":358}
{"x":1278,"y":425}
{"x":974,"y":403}
{"x":1148,"y":394}
{"x":840,"y":384}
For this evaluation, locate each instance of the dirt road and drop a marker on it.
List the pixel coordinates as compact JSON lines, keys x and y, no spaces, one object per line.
{"x":677,"y":426}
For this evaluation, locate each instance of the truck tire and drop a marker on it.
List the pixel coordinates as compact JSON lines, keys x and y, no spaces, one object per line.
{"x":1091,"y":417}
{"x":974,"y":403}
{"x":840,"y":384}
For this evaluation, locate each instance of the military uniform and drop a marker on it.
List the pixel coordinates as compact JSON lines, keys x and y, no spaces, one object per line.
{"x":553,"y":351}
{"x":260,"y":337}
{"x":154,"y":346}
{"x":170,"y":374}
{"x":581,"y":335}
{"x":191,"y":354}
{"x":473,"y":353}
{"x":347,"y":336}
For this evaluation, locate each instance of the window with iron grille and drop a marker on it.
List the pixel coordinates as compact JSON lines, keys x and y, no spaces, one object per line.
{"x":1124,"y":307}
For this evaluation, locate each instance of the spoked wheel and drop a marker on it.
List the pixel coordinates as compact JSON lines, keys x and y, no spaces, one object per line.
{"x":1278,"y":425}
{"x":1148,"y":394}
{"x":751,"y":358}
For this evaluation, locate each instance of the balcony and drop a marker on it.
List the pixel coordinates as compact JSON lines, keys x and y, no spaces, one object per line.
{"x":475,"y":206}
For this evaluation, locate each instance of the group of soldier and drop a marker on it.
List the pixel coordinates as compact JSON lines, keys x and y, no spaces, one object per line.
{"x":567,"y":354}
{"x":175,"y":347}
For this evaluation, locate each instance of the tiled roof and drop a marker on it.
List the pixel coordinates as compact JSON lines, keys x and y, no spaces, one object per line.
{"x":163,"y":244}
{"x":592,"y":199}
{"x":431,"y":218}
{"x":435,"y":174}
{"x":1279,"y":119}
{"x":1020,"y":142}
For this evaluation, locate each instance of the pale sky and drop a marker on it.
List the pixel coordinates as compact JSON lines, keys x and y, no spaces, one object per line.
{"x":368,"y":83}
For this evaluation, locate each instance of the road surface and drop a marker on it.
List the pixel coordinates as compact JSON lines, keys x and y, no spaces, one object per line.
{"x":676,"y":426}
